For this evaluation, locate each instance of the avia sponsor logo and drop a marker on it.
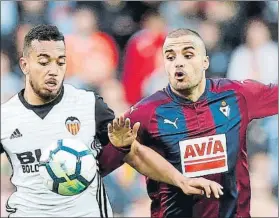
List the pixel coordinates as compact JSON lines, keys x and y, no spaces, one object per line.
{"x":204,"y":156}
{"x":29,"y":161}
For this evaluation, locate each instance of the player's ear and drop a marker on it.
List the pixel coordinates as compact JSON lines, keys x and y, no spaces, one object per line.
{"x":23,"y":63}
{"x":206,"y":63}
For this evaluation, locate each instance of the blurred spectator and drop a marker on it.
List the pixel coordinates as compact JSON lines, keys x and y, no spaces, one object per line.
{"x":59,"y":13}
{"x":9,"y":17}
{"x":10,"y":83}
{"x":140,"y":58}
{"x":256,"y":59}
{"x":219,"y":11}
{"x":113,"y":93}
{"x":218,"y":53}
{"x":126,"y":188}
{"x":270,"y":12}
{"x":33,"y":12}
{"x":20,"y":33}
{"x":116,"y":18}
{"x":263,"y":204}
{"x":181,"y":14}
{"x":92,"y":55}
{"x":225,"y":14}
{"x":158,"y":79}
{"x":271,"y":130}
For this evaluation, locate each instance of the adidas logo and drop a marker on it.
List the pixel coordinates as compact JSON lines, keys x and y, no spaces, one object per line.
{"x":16,"y":134}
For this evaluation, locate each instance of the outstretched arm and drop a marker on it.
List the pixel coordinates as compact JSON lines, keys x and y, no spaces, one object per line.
{"x":149,"y":163}
{"x":261,"y":99}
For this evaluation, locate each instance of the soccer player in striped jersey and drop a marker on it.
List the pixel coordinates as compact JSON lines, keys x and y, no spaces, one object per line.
{"x":199,"y":125}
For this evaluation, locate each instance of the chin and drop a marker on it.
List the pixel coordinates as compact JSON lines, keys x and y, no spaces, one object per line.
{"x":49,"y":95}
{"x":182,"y":86}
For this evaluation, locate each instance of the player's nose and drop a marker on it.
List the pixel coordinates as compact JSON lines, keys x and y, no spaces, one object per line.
{"x":179,"y":63}
{"x":179,"y":66}
{"x":53,"y":71}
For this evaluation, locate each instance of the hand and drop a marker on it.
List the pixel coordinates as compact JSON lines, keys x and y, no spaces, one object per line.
{"x":200,"y":186}
{"x":120,"y":133}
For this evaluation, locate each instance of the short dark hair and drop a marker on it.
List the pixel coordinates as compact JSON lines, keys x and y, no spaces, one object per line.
{"x":184,"y":32}
{"x":41,"y":33}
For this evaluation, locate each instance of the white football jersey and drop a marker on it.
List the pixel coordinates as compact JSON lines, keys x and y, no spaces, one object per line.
{"x":27,"y":130}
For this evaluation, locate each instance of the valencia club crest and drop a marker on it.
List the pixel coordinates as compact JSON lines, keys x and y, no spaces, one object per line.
{"x":73,"y":125}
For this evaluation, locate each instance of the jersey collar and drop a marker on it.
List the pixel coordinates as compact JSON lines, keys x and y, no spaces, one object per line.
{"x":182,"y":100}
{"x":41,"y":110}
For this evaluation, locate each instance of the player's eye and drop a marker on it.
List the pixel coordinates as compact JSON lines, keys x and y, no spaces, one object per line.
{"x":170,"y":58}
{"x":61,"y":63}
{"x":188,"y":56}
{"x":43,"y":63}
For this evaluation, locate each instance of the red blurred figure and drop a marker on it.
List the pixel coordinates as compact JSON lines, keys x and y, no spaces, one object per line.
{"x":140,"y":58}
{"x":92,"y":55}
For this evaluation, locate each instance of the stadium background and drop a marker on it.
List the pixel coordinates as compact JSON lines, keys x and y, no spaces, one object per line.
{"x":113,"y":47}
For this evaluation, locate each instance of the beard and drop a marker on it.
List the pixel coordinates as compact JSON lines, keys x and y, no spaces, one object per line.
{"x":45,"y":95}
{"x":185,"y":86}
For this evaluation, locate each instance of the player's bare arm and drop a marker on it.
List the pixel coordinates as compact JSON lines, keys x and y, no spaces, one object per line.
{"x":151,"y":164}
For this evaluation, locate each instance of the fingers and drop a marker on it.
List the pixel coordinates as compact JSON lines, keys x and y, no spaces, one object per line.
{"x":110,"y":129}
{"x":220,"y":191}
{"x":208,"y":186}
{"x":207,"y":190}
{"x":194,"y":191}
{"x":115,"y":124}
{"x":127,"y":123}
{"x":216,"y":189}
{"x":121,"y":121}
{"x":136,"y":128}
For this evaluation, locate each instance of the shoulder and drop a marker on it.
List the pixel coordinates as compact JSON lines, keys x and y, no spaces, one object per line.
{"x":72,"y":93}
{"x":154,"y":100}
{"x":145,"y":109}
{"x":12,"y":112}
{"x":223,"y":84}
{"x":11,"y":106}
{"x":243,"y":87}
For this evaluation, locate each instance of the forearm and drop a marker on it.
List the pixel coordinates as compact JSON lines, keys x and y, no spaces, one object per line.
{"x":151,"y":164}
{"x":110,"y":159}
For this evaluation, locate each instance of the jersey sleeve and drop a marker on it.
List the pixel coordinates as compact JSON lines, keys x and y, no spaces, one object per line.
{"x":261,"y":99}
{"x":140,"y":113}
{"x":103,"y":116}
{"x":111,"y":158}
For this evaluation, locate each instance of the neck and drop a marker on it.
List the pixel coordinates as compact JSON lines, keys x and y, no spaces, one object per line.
{"x":192,"y":94}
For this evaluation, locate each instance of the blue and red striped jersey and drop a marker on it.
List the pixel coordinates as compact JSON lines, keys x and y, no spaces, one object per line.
{"x":206,"y":138}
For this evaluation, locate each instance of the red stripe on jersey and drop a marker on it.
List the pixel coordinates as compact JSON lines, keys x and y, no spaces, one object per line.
{"x":205,"y":166}
{"x":205,"y":159}
{"x":242,"y":172}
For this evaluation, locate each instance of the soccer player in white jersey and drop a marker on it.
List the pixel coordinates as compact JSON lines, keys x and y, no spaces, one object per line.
{"x":45,"y":111}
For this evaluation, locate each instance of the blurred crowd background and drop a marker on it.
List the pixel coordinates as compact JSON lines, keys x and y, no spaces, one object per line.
{"x":114,"y":48}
